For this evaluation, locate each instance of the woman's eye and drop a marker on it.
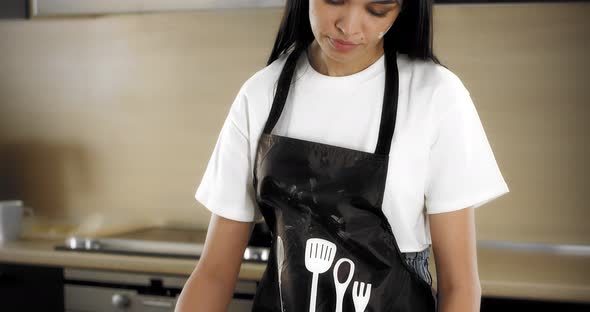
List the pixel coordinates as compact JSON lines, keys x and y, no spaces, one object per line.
{"x":371,"y":11}
{"x":379,"y":14}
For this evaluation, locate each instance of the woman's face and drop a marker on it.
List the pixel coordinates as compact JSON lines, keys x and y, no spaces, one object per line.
{"x":363,"y":23}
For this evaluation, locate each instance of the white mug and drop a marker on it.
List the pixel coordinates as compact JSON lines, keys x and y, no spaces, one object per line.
{"x":11,"y":213}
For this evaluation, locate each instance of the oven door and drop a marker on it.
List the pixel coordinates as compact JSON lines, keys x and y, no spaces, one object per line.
{"x":98,"y":291}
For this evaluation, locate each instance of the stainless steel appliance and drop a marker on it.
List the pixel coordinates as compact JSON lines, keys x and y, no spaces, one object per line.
{"x":161,"y":242}
{"x":98,"y":290}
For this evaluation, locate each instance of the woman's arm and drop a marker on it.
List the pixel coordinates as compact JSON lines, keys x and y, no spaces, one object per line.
{"x":211,"y":285}
{"x":454,"y":246}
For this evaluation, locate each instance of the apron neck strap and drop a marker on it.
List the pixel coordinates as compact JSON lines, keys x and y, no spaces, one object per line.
{"x":390,"y":98}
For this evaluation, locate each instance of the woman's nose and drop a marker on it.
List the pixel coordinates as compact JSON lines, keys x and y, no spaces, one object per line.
{"x":350,"y":23}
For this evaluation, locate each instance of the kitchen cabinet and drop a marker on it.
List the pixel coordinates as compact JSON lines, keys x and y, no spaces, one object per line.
{"x":76,"y":7}
{"x":44,"y":288}
{"x":494,"y":304}
{"x":31,"y":288}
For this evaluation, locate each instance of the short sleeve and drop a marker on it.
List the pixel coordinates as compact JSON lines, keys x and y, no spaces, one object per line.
{"x":226,"y":187}
{"x":462,"y":168}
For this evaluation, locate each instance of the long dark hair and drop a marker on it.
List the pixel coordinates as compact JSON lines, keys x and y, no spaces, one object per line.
{"x":410,"y":34}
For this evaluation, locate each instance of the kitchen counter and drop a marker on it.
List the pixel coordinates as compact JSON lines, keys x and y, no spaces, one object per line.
{"x":41,"y":252}
{"x":530,"y":275}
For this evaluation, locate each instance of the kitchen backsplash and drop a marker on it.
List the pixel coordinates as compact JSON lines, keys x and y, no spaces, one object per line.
{"x":113,"y":118}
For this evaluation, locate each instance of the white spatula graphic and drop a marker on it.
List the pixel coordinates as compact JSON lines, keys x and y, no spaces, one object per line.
{"x":319,"y":254}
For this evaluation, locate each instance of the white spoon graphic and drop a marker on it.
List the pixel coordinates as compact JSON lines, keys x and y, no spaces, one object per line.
{"x":341,"y":287}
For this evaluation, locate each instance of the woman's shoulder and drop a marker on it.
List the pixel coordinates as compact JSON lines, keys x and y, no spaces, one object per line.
{"x":428,"y":75}
{"x":435,"y":86}
{"x":254,"y":99}
{"x":263,"y":81}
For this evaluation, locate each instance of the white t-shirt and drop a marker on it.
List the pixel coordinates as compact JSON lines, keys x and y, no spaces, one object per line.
{"x":440,"y":158}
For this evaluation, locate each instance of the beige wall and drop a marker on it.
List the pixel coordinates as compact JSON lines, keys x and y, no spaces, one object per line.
{"x":116,"y":116}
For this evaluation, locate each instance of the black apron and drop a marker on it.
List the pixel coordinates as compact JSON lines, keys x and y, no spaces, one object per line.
{"x":332,"y":247}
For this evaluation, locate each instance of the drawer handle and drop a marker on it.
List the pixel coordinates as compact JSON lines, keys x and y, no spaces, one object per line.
{"x":158,"y":304}
{"x":121,"y":301}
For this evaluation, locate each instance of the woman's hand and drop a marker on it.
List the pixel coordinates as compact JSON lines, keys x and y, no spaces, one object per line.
{"x":211,"y":285}
{"x":455,"y":255}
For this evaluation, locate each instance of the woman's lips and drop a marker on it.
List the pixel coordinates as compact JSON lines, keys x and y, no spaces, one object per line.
{"x":343,"y":46}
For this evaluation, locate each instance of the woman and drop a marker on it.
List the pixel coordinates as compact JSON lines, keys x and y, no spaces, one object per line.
{"x":360,"y":151}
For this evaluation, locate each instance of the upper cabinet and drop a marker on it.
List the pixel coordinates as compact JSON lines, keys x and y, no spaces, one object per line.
{"x":38,"y":8}
{"x":99,"y":7}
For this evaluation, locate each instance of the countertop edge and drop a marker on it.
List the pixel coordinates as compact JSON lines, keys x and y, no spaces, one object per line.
{"x":33,"y":252}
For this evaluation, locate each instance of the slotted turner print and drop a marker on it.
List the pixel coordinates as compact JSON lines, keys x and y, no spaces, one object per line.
{"x":319,"y":254}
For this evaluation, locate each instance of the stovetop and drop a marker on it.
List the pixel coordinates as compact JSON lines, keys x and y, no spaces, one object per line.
{"x":160,"y":242}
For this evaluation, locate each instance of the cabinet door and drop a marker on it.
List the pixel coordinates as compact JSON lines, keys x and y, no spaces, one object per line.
{"x":31,"y":288}
{"x":243,"y":296}
{"x":240,"y":305}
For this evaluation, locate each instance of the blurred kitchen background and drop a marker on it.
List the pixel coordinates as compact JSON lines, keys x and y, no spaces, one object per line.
{"x":109,"y":111}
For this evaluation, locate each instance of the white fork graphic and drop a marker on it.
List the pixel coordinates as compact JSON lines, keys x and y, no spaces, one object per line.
{"x":360,"y":297}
